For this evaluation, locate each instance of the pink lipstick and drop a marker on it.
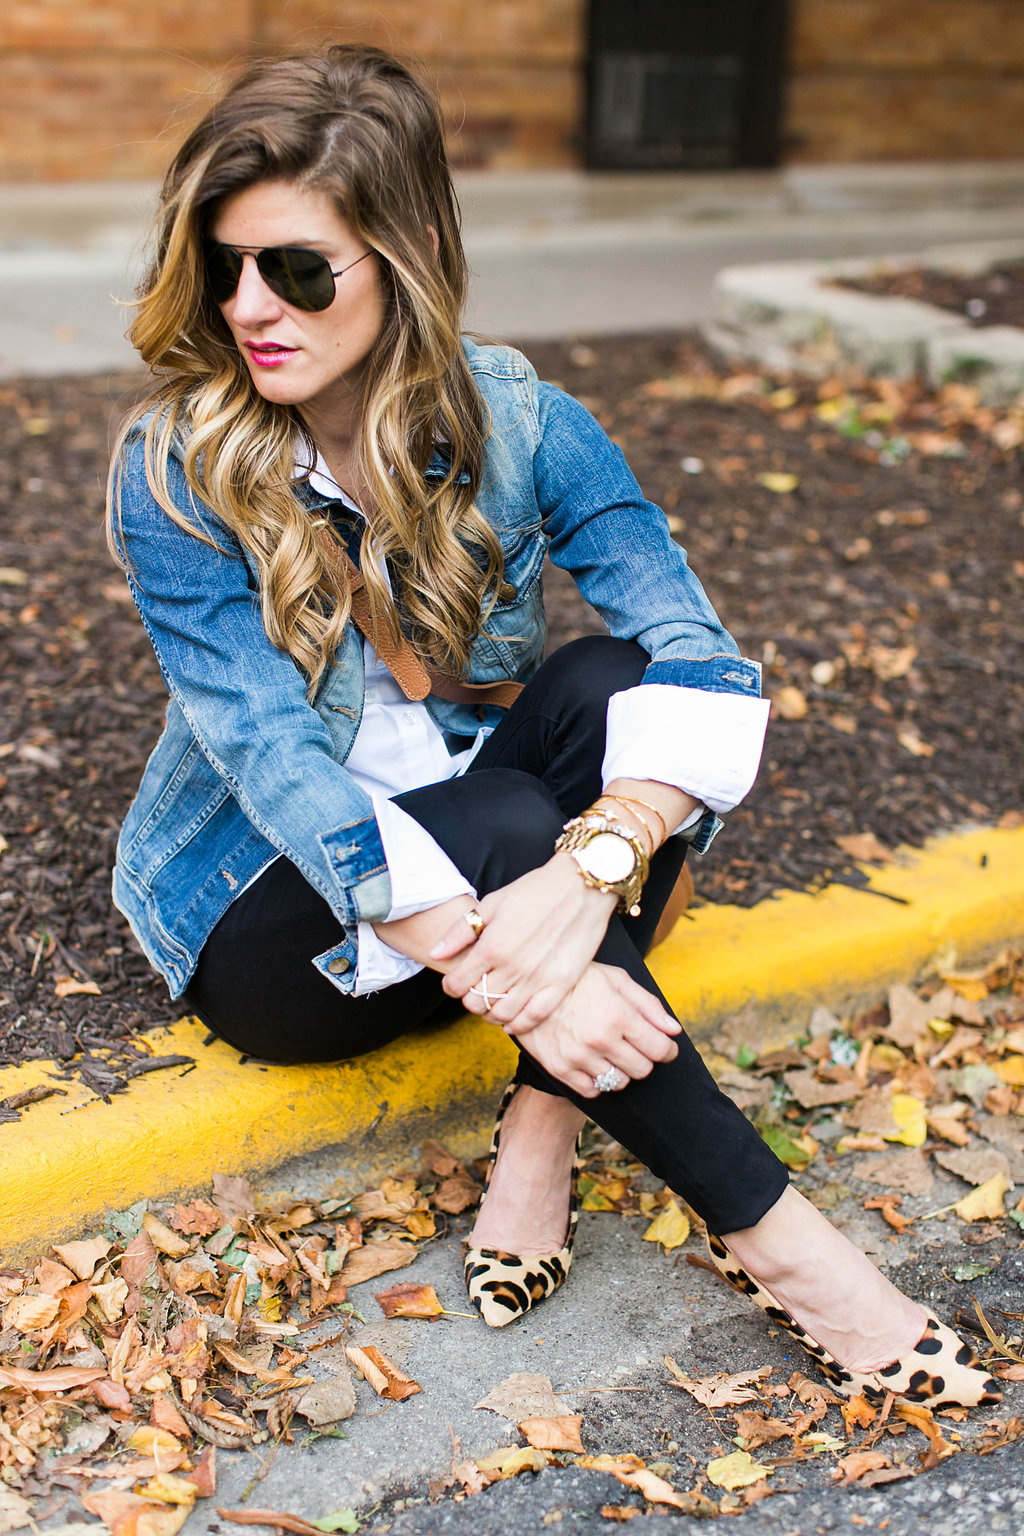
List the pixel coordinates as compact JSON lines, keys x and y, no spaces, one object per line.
{"x":269,"y":354}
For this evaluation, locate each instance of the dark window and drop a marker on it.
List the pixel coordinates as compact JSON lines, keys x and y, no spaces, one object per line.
{"x":684,"y":84}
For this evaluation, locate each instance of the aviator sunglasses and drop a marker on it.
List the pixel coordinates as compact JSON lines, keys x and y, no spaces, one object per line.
{"x":300,"y":276}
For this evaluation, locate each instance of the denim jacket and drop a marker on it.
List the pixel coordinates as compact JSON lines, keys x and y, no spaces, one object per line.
{"x":247,"y":767}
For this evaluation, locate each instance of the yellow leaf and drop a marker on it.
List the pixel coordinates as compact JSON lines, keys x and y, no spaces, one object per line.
{"x":909,"y":1114}
{"x":778,"y":482}
{"x":835,"y":409}
{"x":163,"y":1239}
{"x":110,"y":1298}
{"x":154,"y":1442}
{"x":986,"y":1202}
{"x":783,"y":399}
{"x":671,"y":1228}
{"x":1011,"y":1070}
{"x":165,"y":1488}
{"x":504,"y":1464}
{"x":736,"y":1471}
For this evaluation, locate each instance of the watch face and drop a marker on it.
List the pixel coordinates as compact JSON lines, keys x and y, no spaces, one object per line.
{"x":608,"y":857}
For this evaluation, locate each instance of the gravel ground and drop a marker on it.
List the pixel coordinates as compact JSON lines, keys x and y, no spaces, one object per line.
{"x":865,"y":544}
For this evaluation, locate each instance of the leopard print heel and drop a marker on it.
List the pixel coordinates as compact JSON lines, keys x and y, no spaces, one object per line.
{"x":503,"y":1286}
{"x":941,"y":1371}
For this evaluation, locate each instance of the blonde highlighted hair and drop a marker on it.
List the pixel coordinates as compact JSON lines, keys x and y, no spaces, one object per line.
{"x":354,"y":123}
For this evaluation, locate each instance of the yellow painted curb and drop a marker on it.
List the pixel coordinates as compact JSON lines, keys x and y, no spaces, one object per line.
{"x":62,"y":1165}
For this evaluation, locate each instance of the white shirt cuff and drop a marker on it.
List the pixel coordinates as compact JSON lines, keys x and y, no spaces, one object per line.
{"x":707,"y":744}
{"x":422,"y":876}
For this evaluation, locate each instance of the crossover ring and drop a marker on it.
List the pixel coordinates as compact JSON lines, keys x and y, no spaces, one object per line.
{"x":490,"y":998}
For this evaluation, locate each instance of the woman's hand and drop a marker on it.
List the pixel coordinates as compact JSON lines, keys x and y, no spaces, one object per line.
{"x":540,"y":934}
{"x":607,"y":1020}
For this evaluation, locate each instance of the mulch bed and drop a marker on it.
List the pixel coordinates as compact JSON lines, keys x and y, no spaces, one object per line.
{"x":865,"y":542}
{"x":993,"y":297}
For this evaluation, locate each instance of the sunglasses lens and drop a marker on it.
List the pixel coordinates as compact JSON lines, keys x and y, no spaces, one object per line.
{"x":298,"y":276}
{"x":223,"y":268}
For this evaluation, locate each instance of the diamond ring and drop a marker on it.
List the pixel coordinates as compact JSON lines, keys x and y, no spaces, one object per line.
{"x":490,"y":998}
{"x":610,"y":1080}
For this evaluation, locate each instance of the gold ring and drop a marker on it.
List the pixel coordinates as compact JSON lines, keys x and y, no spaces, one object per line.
{"x":475,"y":921}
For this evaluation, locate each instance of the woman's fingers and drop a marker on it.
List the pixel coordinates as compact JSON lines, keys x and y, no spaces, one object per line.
{"x":459,"y":937}
{"x":644,"y":1002}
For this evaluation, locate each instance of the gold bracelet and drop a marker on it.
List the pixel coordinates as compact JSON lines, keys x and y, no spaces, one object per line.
{"x":620,"y":799}
{"x":628,"y":800}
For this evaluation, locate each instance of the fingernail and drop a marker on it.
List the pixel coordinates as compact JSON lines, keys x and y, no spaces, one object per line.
{"x":437,"y":950}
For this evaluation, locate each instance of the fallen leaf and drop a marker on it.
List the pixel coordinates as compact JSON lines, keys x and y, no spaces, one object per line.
{"x":70,"y":986}
{"x":910,"y":1117}
{"x":198,"y":1218}
{"x":923,"y":1419}
{"x":276,"y":1518}
{"x":911,"y":742}
{"x":908,"y":1016}
{"x":15,"y":1511}
{"x":721,"y":1390}
{"x":975,"y":1165}
{"x":110,"y":1298}
{"x":328,"y":1401}
{"x":618,"y":1512}
{"x":28,"y":1314}
{"x":737,"y":1470}
{"x":555,"y":1434}
{"x":501,"y":1465}
{"x":233,"y":1195}
{"x":865,"y":848}
{"x":986,"y":1202}
{"x":1011,"y":1070}
{"x":158,"y":1443}
{"x":858,"y":1414}
{"x":410,"y":1300}
{"x":384,"y":1377}
{"x":524,"y":1395}
{"x":790,"y":703}
{"x":83,"y":1257}
{"x":810,"y":1093}
{"x":376,"y":1258}
{"x":853,"y":1467}
{"x":59,"y":1378}
{"x":907,"y":1173}
{"x":456,"y":1194}
{"x":795,"y":1153}
{"x":671,"y":1228}
{"x":340,"y":1520}
{"x":814,"y":1393}
{"x":631,"y":1471}
{"x":779,"y":482}
{"x":165,"y":1488}
{"x":756,"y":1428}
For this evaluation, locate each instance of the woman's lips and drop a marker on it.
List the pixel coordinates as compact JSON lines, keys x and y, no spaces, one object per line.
{"x":268,"y":354}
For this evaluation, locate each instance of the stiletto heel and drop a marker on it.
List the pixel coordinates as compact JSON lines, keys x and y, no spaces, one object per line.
{"x":941,"y":1371}
{"x":503,"y":1286}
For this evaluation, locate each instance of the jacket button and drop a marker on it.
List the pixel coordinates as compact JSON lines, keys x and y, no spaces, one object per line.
{"x":338,"y":966}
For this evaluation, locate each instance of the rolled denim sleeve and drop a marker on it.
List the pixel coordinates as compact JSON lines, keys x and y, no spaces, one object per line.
{"x":244,"y":700}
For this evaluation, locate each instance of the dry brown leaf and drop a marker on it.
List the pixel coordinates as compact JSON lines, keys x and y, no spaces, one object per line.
{"x":198,"y":1218}
{"x":59,"y":1378}
{"x":83,"y":1257}
{"x":28,"y":1314}
{"x":906,"y":1172}
{"x":922,"y":1418}
{"x":756,"y":1428}
{"x":501,"y":1465}
{"x":376,"y":1258}
{"x":852,"y":1468}
{"x":383,"y":1375}
{"x":164,"y":1415}
{"x":52,"y":1278}
{"x":70,"y":986}
{"x":858,"y":1414}
{"x":277,"y":1519}
{"x":790,"y":703}
{"x":889,"y":1207}
{"x":556,"y":1434}
{"x":524,"y":1395}
{"x":138,"y":1259}
{"x":409,"y":1300}
{"x":865,"y":847}
{"x":811,"y":1093}
{"x":908,"y":1017}
{"x":975,"y":1165}
{"x":233,"y":1195}
{"x":456,"y":1194}
{"x":813,"y":1393}
{"x":618,"y":1512}
{"x":328,"y":1401}
{"x":15,"y":1512}
{"x":631,"y":1471}
{"x":721,"y":1390}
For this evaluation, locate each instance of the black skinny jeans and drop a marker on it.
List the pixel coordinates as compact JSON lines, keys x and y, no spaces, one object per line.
{"x":255,"y":987}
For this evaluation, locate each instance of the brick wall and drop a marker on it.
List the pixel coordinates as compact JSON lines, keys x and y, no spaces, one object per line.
{"x":106,"y":88}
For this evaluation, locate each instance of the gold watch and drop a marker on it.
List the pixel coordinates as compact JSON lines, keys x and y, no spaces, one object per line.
{"x":608,"y":857}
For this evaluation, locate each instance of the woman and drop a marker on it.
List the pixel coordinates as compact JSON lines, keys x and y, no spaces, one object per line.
{"x":371,"y":795}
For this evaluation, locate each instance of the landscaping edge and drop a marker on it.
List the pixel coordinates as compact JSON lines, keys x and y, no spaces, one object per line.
{"x":71,"y":1157}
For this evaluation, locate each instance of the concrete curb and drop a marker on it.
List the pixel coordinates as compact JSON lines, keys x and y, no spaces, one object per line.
{"x":787,"y":315}
{"x":69,"y":1159}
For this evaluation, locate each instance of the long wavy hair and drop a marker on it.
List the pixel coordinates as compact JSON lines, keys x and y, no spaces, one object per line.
{"x":354,"y":123}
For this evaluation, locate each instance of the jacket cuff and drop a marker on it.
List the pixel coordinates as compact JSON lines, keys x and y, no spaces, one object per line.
{"x":718,"y":674}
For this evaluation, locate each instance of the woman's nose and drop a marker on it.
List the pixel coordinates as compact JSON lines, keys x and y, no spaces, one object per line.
{"x":253,"y":303}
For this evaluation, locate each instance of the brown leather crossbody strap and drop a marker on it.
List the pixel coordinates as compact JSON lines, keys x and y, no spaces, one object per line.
{"x":415,"y":680}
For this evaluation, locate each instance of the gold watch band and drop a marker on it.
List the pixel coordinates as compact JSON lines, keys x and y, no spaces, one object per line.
{"x":581,"y":830}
